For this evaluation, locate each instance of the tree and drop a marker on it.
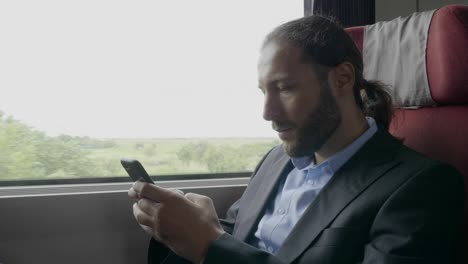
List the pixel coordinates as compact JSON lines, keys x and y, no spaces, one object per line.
{"x":27,"y":153}
{"x":185,"y":154}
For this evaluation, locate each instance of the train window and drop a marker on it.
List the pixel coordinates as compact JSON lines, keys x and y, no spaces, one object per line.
{"x":171,"y":83}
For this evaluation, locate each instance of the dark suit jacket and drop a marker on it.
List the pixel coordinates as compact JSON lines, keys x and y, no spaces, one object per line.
{"x":387,"y":204}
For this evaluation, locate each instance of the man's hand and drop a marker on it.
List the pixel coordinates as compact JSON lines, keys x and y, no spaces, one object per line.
{"x":185,"y":224}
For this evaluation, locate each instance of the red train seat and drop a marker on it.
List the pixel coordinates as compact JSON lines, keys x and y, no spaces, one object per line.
{"x":438,"y":127}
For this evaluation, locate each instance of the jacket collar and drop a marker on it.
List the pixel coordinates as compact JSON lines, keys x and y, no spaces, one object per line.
{"x":372,"y":161}
{"x":364,"y":168}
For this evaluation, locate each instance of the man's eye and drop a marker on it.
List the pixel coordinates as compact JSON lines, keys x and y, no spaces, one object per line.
{"x":285,"y":87}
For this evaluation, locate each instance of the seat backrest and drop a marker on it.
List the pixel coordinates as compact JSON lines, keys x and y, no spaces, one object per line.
{"x":437,"y":128}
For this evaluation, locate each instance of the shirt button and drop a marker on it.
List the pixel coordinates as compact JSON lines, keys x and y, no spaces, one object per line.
{"x":281,"y":211}
{"x":270,"y":249}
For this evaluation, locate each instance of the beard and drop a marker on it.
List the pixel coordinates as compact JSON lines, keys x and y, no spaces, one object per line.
{"x":319,"y":126}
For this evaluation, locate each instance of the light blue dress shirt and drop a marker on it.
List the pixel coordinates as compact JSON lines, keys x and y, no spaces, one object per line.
{"x":298,"y":190}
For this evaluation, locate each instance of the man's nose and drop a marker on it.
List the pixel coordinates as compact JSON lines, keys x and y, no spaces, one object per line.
{"x":271,"y":107}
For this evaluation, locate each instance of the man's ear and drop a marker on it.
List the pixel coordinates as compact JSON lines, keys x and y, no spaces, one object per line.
{"x":341,"y":79}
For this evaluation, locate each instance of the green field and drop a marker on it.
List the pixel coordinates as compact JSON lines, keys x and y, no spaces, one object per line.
{"x":28,"y":154}
{"x":184,"y":156}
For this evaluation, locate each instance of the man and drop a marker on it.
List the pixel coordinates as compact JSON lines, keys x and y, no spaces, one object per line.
{"x":340,"y":189}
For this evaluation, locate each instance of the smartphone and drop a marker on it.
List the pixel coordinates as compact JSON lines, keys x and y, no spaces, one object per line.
{"x":135,"y":170}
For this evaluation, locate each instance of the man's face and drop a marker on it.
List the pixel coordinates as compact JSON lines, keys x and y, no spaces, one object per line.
{"x":301,"y":106}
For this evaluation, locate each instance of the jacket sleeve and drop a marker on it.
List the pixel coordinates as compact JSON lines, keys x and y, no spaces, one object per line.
{"x":420,"y":222}
{"x":159,"y":253}
{"x":227,"y":250}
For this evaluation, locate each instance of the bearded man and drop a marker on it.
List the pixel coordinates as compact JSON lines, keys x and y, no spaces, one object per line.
{"x":340,"y":188}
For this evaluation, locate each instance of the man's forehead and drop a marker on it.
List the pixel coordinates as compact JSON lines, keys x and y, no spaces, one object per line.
{"x":278,"y":51}
{"x":279,"y":61}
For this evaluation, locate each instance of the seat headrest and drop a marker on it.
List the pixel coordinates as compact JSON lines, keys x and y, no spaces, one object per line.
{"x":428,"y":48}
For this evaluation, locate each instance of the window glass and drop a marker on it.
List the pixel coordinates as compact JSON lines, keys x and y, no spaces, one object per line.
{"x":171,"y":83}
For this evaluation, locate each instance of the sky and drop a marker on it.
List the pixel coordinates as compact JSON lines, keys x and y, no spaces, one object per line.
{"x":137,"y":69}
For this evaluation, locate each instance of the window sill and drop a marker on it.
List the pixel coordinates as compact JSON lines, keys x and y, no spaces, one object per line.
{"x":73,"y":189}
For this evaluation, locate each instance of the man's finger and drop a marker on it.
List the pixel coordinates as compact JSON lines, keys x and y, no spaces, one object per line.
{"x":198,"y":199}
{"x":151,"y":232}
{"x":179,"y":191}
{"x":147,"y":229}
{"x":149,"y":207}
{"x":141,"y":217}
{"x":154,"y":192}
{"x":132,"y":194}
{"x":146,"y":222}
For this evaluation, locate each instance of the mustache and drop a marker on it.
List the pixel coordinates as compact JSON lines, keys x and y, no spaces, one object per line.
{"x":280,"y":126}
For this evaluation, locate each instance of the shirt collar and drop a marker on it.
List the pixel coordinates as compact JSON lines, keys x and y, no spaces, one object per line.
{"x":337,"y":160}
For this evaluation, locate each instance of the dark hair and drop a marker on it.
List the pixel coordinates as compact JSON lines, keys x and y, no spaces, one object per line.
{"x":324,"y":42}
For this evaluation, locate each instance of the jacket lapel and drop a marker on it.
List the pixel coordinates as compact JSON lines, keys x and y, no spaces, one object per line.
{"x":263,"y":185}
{"x":364,"y":168}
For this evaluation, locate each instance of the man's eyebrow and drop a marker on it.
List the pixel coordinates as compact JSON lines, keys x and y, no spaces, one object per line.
{"x":279,"y":79}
